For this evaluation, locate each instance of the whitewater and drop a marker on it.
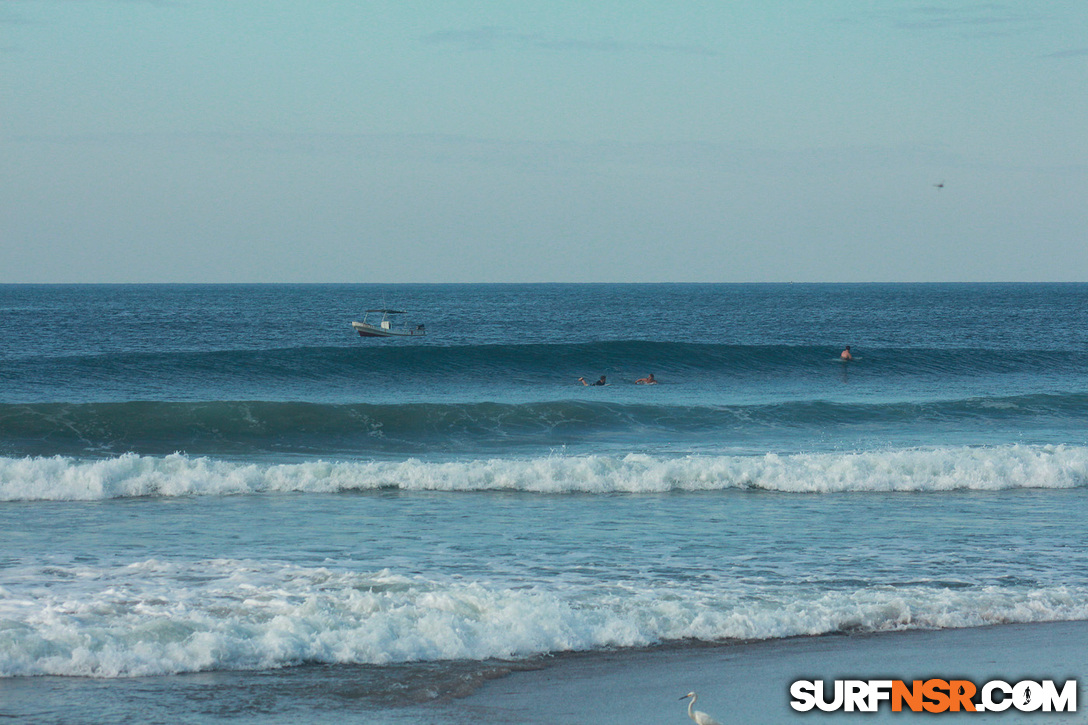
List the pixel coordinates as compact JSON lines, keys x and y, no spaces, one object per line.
{"x":130,"y":475}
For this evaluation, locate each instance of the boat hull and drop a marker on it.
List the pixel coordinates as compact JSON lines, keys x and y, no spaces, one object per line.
{"x":367,"y":330}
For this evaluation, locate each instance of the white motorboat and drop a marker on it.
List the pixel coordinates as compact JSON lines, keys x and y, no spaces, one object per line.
{"x":385,"y":327}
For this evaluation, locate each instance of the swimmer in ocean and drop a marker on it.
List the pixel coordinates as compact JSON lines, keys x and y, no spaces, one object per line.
{"x":648,"y":380}
{"x":846,"y":354}
{"x":599,"y":382}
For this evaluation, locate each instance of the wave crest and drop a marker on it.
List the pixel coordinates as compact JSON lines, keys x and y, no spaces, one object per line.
{"x":941,"y":469}
{"x":244,"y":427}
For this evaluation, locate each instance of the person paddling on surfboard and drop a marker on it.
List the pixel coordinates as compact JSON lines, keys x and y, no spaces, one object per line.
{"x":846,"y":354}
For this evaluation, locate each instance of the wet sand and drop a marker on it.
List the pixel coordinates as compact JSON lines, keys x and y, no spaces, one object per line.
{"x":749,"y":683}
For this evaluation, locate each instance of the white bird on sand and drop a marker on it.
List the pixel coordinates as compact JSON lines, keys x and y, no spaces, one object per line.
{"x":700,"y":717}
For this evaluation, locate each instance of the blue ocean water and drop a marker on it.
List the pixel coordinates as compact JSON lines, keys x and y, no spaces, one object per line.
{"x":212,"y":480}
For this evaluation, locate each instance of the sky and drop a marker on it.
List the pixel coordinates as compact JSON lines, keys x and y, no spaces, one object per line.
{"x":560,"y":141}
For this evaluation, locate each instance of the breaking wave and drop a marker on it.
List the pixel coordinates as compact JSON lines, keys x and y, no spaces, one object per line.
{"x":942,"y":469}
{"x":156,"y":617}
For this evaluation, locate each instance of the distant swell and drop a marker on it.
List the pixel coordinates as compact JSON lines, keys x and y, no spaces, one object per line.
{"x":942,"y":469}
{"x":527,"y":363}
{"x":244,"y":427}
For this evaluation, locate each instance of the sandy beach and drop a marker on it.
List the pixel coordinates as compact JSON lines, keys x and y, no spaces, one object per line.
{"x":749,"y":683}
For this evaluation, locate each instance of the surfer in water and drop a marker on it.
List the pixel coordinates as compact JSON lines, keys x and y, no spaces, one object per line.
{"x":648,"y":380}
{"x":599,"y":382}
{"x":846,"y":354}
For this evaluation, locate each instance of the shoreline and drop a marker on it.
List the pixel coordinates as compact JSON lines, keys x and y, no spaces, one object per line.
{"x":749,"y":682}
{"x":738,"y":682}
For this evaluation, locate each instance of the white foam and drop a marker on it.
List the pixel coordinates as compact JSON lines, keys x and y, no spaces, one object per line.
{"x":941,"y":469}
{"x":156,"y":617}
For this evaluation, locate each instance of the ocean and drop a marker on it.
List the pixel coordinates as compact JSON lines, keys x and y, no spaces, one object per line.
{"x":217,"y":502}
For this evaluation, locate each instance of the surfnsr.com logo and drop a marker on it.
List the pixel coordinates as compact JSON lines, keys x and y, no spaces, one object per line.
{"x":934,"y":695}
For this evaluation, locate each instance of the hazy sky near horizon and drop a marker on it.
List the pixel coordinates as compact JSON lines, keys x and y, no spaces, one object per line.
{"x":515,"y":141}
